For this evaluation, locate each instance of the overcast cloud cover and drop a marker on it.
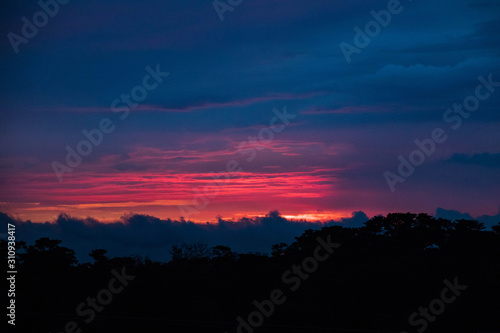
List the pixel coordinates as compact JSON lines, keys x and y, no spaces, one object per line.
{"x":225,"y":77}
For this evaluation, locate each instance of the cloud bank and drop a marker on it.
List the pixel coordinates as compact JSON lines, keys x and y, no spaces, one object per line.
{"x":150,"y":236}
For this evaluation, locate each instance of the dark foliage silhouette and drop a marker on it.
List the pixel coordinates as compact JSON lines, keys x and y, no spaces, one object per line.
{"x":383,"y":272}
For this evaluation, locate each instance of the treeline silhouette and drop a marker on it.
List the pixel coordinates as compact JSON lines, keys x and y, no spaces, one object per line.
{"x":379,"y":275}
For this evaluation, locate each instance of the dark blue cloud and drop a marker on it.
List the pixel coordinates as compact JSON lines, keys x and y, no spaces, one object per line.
{"x":150,"y":236}
{"x":453,"y":215}
{"x":153,"y":237}
{"x":483,"y":159}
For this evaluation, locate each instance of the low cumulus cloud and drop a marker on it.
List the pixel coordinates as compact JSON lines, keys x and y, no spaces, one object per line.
{"x":150,"y":236}
{"x":146,"y":235}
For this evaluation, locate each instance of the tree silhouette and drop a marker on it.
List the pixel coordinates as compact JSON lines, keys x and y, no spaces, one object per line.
{"x":47,"y":253}
{"x":99,"y":256}
{"x":278,"y":249}
{"x":222,"y":252}
{"x":381,"y":274}
{"x":190,"y":252}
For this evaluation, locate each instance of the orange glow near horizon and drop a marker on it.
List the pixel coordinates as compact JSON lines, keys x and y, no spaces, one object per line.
{"x":50,"y":214}
{"x":108,"y":196}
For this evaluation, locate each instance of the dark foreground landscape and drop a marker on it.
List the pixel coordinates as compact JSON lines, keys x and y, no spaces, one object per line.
{"x":403,"y":272}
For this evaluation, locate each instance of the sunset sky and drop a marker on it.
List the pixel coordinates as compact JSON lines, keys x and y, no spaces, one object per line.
{"x":230,"y":82}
